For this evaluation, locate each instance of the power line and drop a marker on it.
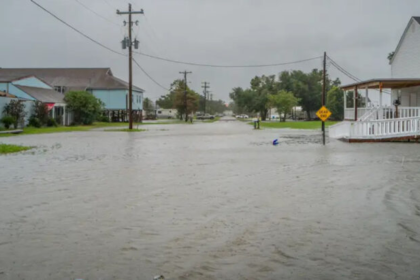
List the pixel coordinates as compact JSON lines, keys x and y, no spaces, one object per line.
{"x":98,"y":43}
{"x":150,"y":77}
{"x":97,"y":14}
{"x":80,"y":32}
{"x":227,"y":66}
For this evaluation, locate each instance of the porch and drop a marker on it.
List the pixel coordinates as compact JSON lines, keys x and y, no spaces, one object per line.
{"x":366,"y":121}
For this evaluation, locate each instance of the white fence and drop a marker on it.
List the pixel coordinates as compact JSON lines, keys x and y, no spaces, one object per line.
{"x":385,"y":128}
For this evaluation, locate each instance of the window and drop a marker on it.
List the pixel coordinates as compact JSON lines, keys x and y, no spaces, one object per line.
{"x":60,"y":89}
{"x":159,"y":112}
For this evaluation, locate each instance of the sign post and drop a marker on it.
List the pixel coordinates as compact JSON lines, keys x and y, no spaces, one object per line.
{"x":323,"y":114}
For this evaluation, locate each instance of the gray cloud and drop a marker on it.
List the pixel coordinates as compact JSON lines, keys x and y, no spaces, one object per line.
{"x":358,"y":34}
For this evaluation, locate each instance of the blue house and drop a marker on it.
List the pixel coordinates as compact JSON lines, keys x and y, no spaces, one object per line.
{"x":30,"y":89}
{"x":113,"y":92}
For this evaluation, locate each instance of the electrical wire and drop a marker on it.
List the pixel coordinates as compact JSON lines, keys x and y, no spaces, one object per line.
{"x":150,"y":77}
{"x":98,"y":43}
{"x":348,"y":74}
{"x":80,"y":32}
{"x":97,"y":14}
{"x":227,"y":66}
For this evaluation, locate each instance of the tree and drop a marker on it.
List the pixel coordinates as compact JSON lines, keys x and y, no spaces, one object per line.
{"x":178,"y":91}
{"x":335,"y":103}
{"x":283,"y":101}
{"x":148,"y":106}
{"x":84,"y":106}
{"x":391,"y":56}
{"x":41,"y":112}
{"x":15,"y":109}
{"x":166,"y":101}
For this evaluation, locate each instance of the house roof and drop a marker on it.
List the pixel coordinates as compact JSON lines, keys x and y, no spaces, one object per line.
{"x":386,"y":83}
{"x":42,"y":94}
{"x":417,"y":19}
{"x":71,"y":78}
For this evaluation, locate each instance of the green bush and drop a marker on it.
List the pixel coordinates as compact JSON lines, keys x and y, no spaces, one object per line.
{"x":8,"y":121}
{"x":52,"y":122}
{"x":85,"y":106}
{"x":35,"y":122}
{"x":103,"y":119}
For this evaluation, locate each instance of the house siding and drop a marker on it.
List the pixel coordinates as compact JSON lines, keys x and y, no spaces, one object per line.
{"x":31,"y":82}
{"x":28,"y":108}
{"x":406,"y":63}
{"x":116,"y":99}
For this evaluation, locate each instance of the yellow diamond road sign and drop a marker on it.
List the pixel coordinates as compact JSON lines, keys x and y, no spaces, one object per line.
{"x":323,"y":113}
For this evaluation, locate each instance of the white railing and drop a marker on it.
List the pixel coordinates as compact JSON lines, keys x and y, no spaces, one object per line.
{"x":403,"y":112}
{"x":349,"y":113}
{"x":385,"y":128}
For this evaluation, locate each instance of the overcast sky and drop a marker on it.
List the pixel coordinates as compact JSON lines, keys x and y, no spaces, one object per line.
{"x":357,"y":34}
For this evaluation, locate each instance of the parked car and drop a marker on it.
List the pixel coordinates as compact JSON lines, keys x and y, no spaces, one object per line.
{"x":205,"y":117}
{"x":243,"y":116}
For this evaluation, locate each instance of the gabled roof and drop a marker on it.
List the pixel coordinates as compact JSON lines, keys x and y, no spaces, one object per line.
{"x":416,"y":19}
{"x":71,"y":78}
{"x":42,"y":94}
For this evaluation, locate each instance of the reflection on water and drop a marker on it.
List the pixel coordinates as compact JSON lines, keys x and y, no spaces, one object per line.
{"x":208,"y":201}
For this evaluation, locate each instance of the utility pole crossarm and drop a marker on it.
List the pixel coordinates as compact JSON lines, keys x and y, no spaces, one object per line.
{"x":141,"y":12}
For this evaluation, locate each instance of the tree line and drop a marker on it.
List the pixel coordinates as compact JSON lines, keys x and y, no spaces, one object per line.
{"x":287,"y":90}
{"x":195,"y":101}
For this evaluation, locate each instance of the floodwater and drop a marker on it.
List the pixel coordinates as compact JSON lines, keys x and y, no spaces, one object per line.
{"x":208,"y":201}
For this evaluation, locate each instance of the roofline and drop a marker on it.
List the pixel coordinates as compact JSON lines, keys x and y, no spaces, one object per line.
{"x":141,"y":90}
{"x":374,"y":83}
{"x":15,"y":68}
{"x":402,"y":38}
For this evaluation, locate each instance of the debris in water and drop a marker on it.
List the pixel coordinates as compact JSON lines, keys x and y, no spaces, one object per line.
{"x":159,"y":277}
{"x":276,"y":142}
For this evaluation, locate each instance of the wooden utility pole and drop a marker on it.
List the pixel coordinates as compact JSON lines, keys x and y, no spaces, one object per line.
{"x":324,"y":77}
{"x":185,"y":73}
{"x":205,"y":86}
{"x":130,"y":61}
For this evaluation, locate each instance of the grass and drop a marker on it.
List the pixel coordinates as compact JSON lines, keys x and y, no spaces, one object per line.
{"x":8,"y":149}
{"x":60,"y":129}
{"x":295,"y":125}
{"x":126,"y":130}
{"x":212,"y":121}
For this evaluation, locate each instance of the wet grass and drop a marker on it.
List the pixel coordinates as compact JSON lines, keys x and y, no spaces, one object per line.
{"x":212,"y":121}
{"x":295,"y":125}
{"x":8,"y":149}
{"x":61,"y":129}
{"x":126,"y":130}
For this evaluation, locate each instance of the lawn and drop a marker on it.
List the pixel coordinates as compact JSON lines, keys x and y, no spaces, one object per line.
{"x":43,"y":130}
{"x":295,"y":125}
{"x":8,"y":149}
{"x":126,"y":130}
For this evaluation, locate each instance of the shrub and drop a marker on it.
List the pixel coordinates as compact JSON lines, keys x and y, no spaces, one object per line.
{"x":51,"y":122}
{"x":8,"y":121}
{"x":41,"y":112}
{"x":15,"y":109}
{"x":35,"y":122}
{"x":103,"y":119}
{"x":85,"y":107}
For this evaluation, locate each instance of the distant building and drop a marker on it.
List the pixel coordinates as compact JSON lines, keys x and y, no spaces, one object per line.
{"x":167,"y":113}
{"x":113,"y":92}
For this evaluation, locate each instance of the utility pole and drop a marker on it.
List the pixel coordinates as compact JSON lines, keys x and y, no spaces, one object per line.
{"x":128,"y":41}
{"x":205,"y":86}
{"x":324,"y":77}
{"x":185,"y":73}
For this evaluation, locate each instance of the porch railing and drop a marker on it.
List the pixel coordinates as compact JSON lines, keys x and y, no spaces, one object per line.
{"x":386,"y":128}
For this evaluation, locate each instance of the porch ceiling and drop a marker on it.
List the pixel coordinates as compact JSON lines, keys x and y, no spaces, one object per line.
{"x":386,"y":83}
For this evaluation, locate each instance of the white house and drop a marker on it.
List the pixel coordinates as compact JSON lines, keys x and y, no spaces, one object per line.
{"x":167,"y":113}
{"x":401,"y":120}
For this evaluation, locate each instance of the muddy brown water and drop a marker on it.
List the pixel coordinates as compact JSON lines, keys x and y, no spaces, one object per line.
{"x":208,"y":201}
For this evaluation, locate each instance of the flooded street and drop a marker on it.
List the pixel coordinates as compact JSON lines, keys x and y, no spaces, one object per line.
{"x":208,"y":201}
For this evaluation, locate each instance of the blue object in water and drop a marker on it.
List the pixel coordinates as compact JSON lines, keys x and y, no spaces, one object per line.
{"x":276,"y":142}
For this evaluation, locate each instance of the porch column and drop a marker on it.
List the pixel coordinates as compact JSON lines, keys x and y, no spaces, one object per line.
{"x":355,"y":103}
{"x":64,"y":115}
{"x":366,"y":97}
{"x":53,"y":112}
{"x":345,"y":104}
